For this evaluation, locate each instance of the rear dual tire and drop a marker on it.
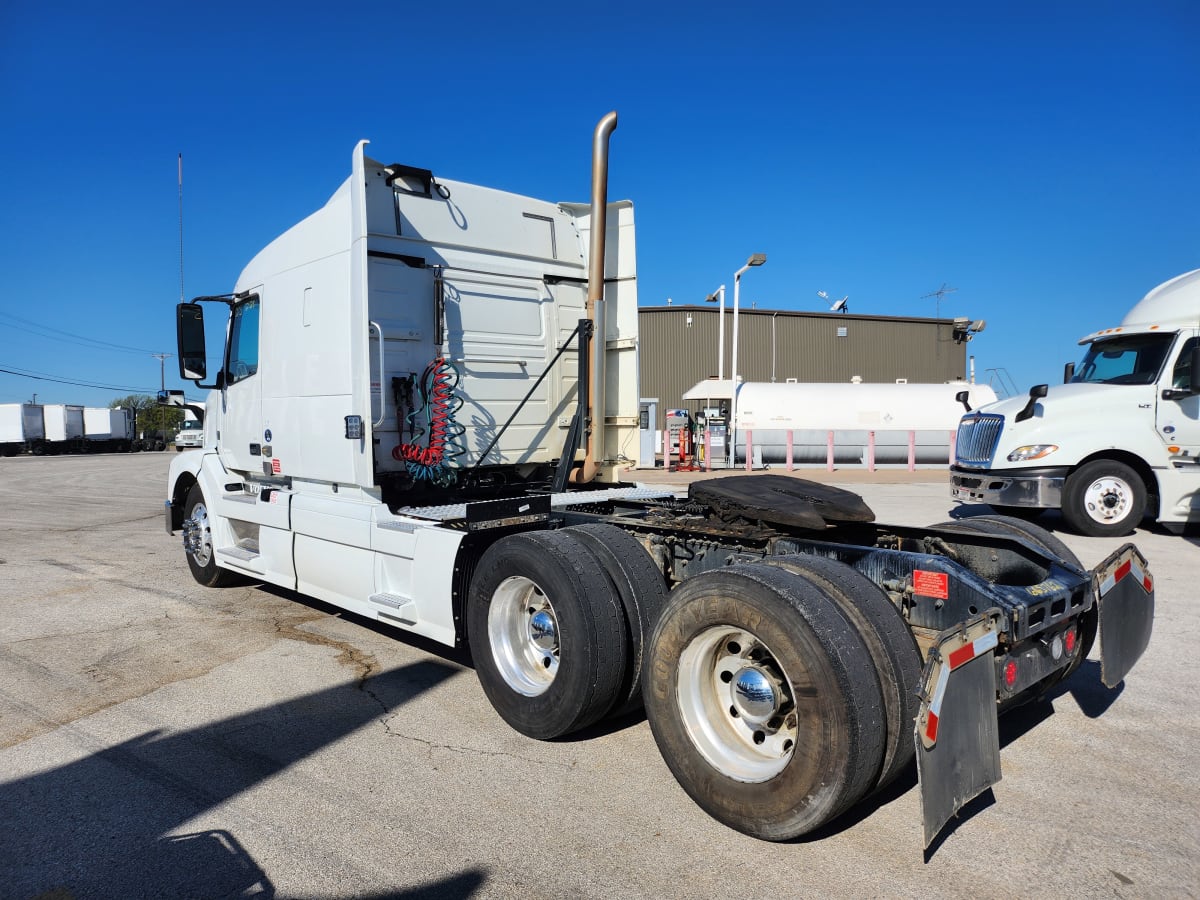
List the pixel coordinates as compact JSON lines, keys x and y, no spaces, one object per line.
{"x":763,"y":702}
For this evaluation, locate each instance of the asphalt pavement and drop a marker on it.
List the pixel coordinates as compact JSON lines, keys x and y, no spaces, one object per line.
{"x":161,"y":739}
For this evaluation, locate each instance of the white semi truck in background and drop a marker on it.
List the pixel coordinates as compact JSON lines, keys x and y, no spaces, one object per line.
{"x":191,"y":432}
{"x":1120,"y":439}
{"x":427,"y":393}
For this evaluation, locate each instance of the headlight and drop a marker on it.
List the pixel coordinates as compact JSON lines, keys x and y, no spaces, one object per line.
{"x":1031,"y":451}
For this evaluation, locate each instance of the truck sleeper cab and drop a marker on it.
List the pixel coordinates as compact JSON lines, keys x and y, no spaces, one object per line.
{"x":419,"y":418}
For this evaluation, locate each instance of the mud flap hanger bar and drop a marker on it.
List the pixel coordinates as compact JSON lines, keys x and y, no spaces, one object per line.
{"x":957,"y":729}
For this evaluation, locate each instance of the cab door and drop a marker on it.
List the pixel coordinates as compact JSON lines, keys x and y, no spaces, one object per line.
{"x":1178,"y":420}
{"x":242,"y":440}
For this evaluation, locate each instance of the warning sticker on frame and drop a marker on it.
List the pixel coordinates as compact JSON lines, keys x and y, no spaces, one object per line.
{"x":277,"y":467}
{"x":931,"y":584}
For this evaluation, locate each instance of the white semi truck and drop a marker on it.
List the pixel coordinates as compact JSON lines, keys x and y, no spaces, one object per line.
{"x":1120,"y":439}
{"x":426,"y":395}
{"x":191,"y":432}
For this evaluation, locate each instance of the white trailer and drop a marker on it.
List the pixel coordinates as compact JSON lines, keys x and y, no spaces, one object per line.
{"x":1120,"y":439}
{"x":22,"y":428}
{"x":108,"y":430}
{"x":64,"y":428}
{"x":427,"y":395}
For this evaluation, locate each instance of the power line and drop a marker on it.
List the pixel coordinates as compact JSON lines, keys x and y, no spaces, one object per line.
{"x":42,"y":376}
{"x":59,"y":335}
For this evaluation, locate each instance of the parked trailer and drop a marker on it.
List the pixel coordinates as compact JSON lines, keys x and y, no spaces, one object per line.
{"x":64,"y":428}
{"x":108,"y":430}
{"x":426,"y":390}
{"x":22,"y":428}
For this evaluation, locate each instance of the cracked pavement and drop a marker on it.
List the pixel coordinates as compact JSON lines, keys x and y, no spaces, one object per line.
{"x":162,"y":739}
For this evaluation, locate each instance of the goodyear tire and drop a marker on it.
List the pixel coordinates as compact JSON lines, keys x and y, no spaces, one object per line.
{"x":643,"y":593}
{"x":762,"y":701}
{"x":547,"y":633}
{"x":892,"y":648}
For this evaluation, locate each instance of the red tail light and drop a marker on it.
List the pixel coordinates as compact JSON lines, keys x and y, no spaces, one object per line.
{"x":1010,"y":673}
{"x":1070,"y":639}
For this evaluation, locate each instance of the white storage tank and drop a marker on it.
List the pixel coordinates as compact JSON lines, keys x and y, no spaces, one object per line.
{"x":811,"y":410}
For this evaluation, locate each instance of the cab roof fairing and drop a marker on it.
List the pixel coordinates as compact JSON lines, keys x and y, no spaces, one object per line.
{"x":1173,"y":305}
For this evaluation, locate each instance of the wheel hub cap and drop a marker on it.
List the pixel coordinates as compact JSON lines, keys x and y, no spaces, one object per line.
{"x":1107,"y":500}
{"x":754,"y":695}
{"x":543,"y":630}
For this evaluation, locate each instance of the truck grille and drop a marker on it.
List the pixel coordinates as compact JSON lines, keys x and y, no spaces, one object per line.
{"x":978,"y":435}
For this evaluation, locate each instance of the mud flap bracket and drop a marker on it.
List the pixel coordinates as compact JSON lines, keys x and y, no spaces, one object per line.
{"x":957,"y":728}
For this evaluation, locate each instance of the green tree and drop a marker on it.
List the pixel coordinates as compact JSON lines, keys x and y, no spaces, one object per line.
{"x":151,"y":416}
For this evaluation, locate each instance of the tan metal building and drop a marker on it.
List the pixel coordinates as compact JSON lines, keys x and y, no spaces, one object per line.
{"x":678,"y":347}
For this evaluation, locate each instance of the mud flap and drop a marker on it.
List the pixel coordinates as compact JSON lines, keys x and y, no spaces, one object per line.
{"x":1125,"y":593}
{"x":957,"y":729}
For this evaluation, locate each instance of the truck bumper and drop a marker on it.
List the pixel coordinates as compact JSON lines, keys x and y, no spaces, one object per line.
{"x":1035,"y":488}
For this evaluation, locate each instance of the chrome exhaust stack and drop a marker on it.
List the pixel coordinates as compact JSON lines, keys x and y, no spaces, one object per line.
{"x":595,"y":300}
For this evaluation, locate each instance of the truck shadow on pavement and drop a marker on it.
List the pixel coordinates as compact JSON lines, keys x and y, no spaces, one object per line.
{"x":101,"y":826}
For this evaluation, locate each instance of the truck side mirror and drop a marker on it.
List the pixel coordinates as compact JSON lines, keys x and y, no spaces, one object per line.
{"x":190,"y":333}
{"x":1037,"y":392}
{"x":963,"y":398}
{"x":1068,"y":372}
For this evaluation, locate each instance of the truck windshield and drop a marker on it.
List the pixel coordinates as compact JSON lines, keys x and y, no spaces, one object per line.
{"x":1127,"y":359}
{"x":191,"y":426}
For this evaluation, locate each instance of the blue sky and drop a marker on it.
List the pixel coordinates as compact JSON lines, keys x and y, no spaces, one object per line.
{"x":1039,"y":157}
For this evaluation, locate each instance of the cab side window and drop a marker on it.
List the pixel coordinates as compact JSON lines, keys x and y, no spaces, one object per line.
{"x":1181,"y":375}
{"x":243,"y":341}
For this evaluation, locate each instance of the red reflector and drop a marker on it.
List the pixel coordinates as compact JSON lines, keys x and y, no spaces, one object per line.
{"x":1122,"y":570}
{"x":931,"y":727}
{"x":1070,"y":636}
{"x":1010,"y":673}
{"x":963,"y":654}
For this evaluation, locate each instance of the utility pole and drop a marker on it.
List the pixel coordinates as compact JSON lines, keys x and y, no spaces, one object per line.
{"x":162,"y":369}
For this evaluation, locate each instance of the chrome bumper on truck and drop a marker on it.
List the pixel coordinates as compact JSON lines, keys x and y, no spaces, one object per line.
{"x":1035,"y":488}
{"x":957,"y":731}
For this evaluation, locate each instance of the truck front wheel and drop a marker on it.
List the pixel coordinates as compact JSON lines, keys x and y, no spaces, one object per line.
{"x":198,"y":543}
{"x":763,"y":701}
{"x":1104,"y":498}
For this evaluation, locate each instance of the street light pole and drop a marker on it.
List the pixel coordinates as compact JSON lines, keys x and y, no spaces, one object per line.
{"x":756,"y":260}
{"x":719,"y":296}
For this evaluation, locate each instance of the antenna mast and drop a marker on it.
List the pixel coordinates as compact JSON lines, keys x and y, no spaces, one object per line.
{"x":938,"y":295}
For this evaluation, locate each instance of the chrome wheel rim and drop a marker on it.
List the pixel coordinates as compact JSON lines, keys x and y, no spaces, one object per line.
{"x":197,"y":535}
{"x":737,"y":704}
{"x":1108,"y":500}
{"x":523,"y":633}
